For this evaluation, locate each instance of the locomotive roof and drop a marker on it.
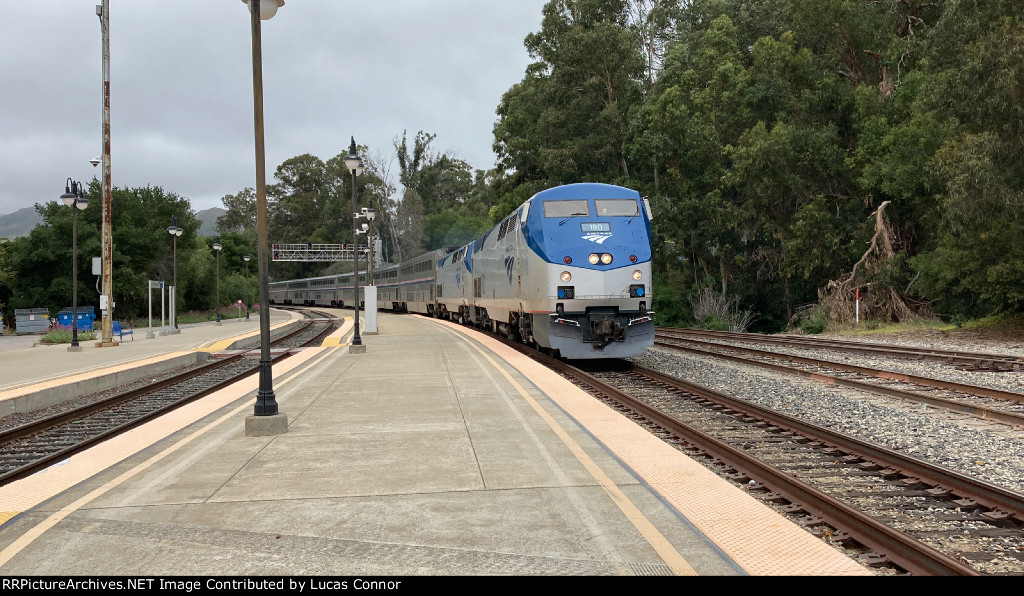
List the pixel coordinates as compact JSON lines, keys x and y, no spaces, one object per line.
{"x":587,"y":190}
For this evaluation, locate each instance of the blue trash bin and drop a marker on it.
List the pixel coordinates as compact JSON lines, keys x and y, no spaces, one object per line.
{"x":86,"y":317}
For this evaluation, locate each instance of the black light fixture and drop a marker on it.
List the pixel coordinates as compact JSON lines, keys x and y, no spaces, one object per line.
{"x":73,"y":197}
{"x":248,"y":292}
{"x":174,"y":230}
{"x":355,"y":165}
{"x":217,"y":246}
{"x":266,"y":420}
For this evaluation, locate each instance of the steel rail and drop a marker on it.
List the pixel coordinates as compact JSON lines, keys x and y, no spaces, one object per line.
{"x":1001,"y":361}
{"x":947,"y":404}
{"x":1008,"y":503}
{"x":902,"y":550}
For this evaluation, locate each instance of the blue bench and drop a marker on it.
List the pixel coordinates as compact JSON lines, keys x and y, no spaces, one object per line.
{"x":121,"y":331}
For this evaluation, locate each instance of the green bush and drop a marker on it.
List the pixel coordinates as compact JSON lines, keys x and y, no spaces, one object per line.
{"x":62,"y":335}
{"x":814,"y":322}
{"x":714,"y":324}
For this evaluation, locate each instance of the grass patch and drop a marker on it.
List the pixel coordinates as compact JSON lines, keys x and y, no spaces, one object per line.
{"x":62,"y":335}
{"x":995,"y":325}
{"x":1001,"y":323}
{"x":875,"y":327}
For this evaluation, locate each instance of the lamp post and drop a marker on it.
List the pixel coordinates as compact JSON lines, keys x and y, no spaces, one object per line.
{"x":370,"y":214}
{"x":217,"y":246}
{"x":355,"y":164}
{"x":266,"y":420}
{"x":73,"y":198}
{"x":248,"y":294}
{"x":175,"y":231}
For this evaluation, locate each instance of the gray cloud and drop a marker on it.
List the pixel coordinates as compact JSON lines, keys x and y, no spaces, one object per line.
{"x":181,"y":87}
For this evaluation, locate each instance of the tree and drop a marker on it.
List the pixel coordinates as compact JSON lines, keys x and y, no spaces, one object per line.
{"x":142,"y":250}
{"x":241,"y":213}
{"x":409,"y":223}
{"x":565,"y":122}
{"x":6,"y":276}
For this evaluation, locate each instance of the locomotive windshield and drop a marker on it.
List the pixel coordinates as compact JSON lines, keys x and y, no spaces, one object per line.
{"x":566,"y":208}
{"x":612,"y":207}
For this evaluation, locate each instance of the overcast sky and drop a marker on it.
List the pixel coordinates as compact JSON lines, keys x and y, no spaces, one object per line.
{"x":181,"y":87}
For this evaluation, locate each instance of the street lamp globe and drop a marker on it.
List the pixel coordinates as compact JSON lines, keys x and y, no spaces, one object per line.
{"x":268,"y":8}
{"x":353,"y":162}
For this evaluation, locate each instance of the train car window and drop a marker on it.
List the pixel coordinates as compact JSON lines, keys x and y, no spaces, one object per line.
{"x":566,"y":208}
{"x":613,"y":207}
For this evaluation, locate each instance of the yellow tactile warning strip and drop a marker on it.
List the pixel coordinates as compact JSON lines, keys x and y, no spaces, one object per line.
{"x":26,"y":493}
{"x":754,"y":536}
{"x":334,"y":340}
{"x":223,"y":344}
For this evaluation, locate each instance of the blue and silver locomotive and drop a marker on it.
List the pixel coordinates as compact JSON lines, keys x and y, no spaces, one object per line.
{"x":568,"y":271}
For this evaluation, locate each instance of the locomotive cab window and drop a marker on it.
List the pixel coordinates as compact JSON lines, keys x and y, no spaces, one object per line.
{"x":567,"y":208}
{"x":613,"y":207}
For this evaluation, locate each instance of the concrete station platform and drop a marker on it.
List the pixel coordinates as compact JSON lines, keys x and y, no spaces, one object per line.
{"x":33,"y":376}
{"x":438,"y":451}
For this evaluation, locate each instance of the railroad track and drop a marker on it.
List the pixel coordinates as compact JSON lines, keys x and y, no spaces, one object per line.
{"x":845,"y":489}
{"x":974,"y":400}
{"x":896,"y":511}
{"x":35,"y":445}
{"x":959,"y":358}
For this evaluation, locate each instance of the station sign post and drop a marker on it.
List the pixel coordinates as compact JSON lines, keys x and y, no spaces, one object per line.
{"x":160,"y":286}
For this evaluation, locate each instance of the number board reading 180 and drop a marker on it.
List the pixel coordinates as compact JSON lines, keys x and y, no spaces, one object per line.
{"x":596,"y":227}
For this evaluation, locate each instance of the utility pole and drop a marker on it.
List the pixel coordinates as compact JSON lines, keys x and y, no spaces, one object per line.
{"x":107,"y":299}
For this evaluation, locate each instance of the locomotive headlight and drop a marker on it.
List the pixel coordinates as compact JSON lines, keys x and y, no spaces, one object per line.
{"x":566,"y":276}
{"x":637,"y":275}
{"x":606,"y":258}
{"x":594,"y":258}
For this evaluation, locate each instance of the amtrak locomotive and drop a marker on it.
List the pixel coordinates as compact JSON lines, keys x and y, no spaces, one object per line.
{"x":569,"y":271}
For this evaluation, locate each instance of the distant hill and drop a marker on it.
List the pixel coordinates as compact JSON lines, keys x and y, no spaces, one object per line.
{"x":209,"y":219}
{"x":21,"y":222}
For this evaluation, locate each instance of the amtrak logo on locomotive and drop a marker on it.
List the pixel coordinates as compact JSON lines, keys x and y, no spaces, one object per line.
{"x":598,"y":238}
{"x":509,"y":262}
